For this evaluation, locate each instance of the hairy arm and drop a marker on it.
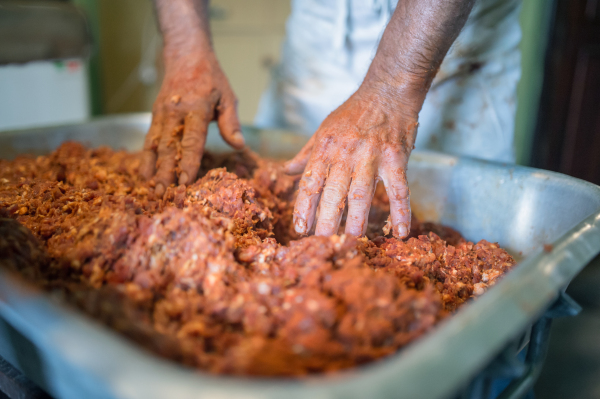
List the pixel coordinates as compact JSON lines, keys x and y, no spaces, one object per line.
{"x":414,"y":45}
{"x":370,"y":137}
{"x":194,"y":92}
{"x":184,"y":27}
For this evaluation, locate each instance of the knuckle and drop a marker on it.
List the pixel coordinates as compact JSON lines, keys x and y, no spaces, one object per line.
{"x":359,"y":194}
{"x":397,"y":192}
{"x":332,"y":203}
{"x":334,"y":189}
{"x":192,"y":117}
{"x":332,"y":206}
{"x":150,"y":144}
{"x":310,"y":185}
{"x":166,"y":152}
{"x":403,"y":213}
{"x":204,"y":108}
{"x":191,"y":165}
{"x":172,"y":110}
{"x":168,"y":107}
{"x":305,"y":202}
{"x":166,"y":144}
{"x":192,"y":141}
{"x":325,"y":141}
{"x":165,"y":170}
{"x":214,"y":96}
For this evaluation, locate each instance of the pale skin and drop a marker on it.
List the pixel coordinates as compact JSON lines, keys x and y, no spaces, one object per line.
{"x":367,"y":139}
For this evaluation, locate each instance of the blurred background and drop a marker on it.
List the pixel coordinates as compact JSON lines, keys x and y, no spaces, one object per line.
{"x":101,"y":57}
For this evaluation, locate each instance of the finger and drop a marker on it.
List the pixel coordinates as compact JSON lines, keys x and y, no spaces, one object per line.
{"x":229,"y":124}
{"x":396,"y":186}
{"x":297,"y":164}
{"x":167,"y":153}
{"x":360,"y":196}
{"x":333,"y":200}
{"x":148,"y":164}
{"x":192,"y":145}
{"x":309,"y":194}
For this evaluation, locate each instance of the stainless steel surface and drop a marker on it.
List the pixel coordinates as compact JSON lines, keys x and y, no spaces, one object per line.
{"x":128,"y":132}
{"x":41,"y":30}
{"x":521,"y":208}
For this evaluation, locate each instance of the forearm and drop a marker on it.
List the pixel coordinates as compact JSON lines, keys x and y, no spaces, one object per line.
{"x":412,"y":48}
{"x":184,"y":27}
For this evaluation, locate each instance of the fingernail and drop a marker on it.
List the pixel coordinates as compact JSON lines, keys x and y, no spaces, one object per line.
{"x":183,"y":178}
{"x":237,"y":139}
{"x":300,"y":225}
{"x":159,"y":189}
{"x":401,"y":230}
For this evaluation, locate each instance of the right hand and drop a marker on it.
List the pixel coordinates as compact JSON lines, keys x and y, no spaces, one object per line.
{"x":194,"y":92}
{"x":367,"y":139}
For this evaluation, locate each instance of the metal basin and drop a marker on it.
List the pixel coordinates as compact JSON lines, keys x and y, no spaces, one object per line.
{"x":523,"y":209}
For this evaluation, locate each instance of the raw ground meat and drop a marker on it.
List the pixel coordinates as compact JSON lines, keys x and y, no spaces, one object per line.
{"x":213,"y":274}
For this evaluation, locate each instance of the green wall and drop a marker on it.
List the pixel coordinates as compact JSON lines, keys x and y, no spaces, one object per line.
{"x":535,"y":22}
{"x":90,"y":8}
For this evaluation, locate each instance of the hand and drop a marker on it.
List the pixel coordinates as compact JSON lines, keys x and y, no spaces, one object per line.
{"x":363,"y":141}
{"x":194,"y":92}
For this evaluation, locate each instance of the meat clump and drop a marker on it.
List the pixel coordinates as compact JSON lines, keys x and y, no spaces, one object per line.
{"x":213,"y":275}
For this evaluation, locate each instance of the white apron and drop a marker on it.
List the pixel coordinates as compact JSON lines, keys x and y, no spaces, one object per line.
{"x":470,"y":109}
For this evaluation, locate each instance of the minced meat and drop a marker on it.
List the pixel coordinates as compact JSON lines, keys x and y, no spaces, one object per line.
{"x":213,"y":274}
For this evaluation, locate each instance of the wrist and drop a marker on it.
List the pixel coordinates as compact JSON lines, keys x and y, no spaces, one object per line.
{"x":193,"y":45}
{"x":404,"y":99}
{"x":400,"y":79}
{"x":177,"y":57}
{"x":184,"y":27}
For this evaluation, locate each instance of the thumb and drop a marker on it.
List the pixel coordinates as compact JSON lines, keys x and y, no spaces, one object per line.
{"x":297,"y":164}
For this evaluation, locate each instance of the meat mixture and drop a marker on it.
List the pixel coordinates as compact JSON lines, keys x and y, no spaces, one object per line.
{"x":213,"y":275}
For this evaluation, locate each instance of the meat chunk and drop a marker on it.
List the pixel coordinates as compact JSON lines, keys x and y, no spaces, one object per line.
{"x":213,"y":274}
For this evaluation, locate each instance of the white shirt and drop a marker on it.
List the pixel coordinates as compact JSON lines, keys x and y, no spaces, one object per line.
{"x":470,"y":108}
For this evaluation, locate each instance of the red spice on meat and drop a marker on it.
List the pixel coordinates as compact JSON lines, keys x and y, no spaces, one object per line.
{"x":213,"y":274}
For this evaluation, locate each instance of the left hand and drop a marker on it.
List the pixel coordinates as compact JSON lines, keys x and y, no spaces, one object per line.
{"x":365,"y":140}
